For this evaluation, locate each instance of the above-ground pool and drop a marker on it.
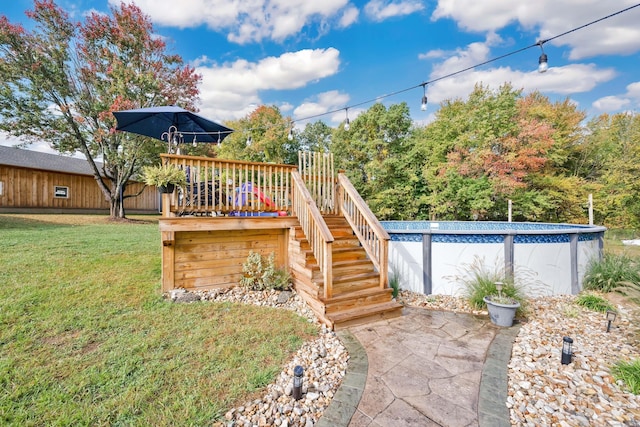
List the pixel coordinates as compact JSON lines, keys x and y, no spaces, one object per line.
{"x":436,"y":257}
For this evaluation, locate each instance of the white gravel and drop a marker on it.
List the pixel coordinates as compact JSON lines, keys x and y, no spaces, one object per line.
{"x":542,"y":391}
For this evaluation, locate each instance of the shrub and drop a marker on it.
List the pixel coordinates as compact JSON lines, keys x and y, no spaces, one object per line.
{"x":611,"y":272}
{"x":594,"y":302}
{"x":261,"y":273}
{"x":629,"y":373}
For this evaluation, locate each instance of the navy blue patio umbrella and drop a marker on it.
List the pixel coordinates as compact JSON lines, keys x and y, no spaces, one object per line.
{"x":172,"y":124}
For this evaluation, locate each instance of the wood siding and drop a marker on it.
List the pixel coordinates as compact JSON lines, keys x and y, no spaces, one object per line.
{"x":24,"y":188}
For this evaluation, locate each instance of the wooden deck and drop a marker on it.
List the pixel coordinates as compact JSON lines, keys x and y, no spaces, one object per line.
{"x":336,"y":252}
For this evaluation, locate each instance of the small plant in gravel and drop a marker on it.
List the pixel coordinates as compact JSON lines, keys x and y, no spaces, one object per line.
{"x":611,"y":272}
{"x":394,"y":283}
{"x":629,"y":373}
{"x":594,"y":302}
{"x":261,"y":273}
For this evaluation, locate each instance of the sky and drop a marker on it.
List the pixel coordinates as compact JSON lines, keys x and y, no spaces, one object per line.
{"x":329,"y":59}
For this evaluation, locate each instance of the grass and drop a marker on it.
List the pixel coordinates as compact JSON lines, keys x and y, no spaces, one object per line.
{"x":86,"y":338}
{"x":594,"y":302}
{"x":629,"y":373}
{"x":612,"y":271}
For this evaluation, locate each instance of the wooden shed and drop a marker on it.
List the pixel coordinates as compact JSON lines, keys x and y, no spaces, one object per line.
{"x":31,"y":181}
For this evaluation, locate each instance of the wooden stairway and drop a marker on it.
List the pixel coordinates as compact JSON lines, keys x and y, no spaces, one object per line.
{"x":357,"y":296}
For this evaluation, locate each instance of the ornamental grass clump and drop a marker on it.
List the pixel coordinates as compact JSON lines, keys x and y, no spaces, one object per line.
{"x":629,"y":374}
{"x":612,"y":272}
{"x":594,"y":302}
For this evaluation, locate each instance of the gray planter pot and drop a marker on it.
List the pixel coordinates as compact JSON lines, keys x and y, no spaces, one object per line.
{"x":501,"y":314}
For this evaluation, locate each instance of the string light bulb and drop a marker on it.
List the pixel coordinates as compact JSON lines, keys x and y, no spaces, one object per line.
{"x":423,"y":107}
{"x":290,"y":136}
{"x":219,"y":140}
{"x":195,"y":143}
{"x":249,"y":141}
{"x":347,"y":126}
{"x":543,"y":65}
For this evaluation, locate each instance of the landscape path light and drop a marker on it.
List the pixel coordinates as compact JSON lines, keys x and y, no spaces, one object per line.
{"x":567,"y":350}
{"x":298,"y":373}
{"x":611,"y":317}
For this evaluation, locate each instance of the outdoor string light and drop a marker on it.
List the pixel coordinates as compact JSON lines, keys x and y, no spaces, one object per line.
{"x":423,"y":107}
{"x":347,"y":126}
{"x":542,"y":61}
{"x":567,"y":351}
{"x":219,"y":140}
{"x":611,"y":317}
{"x":542,"y":67}
{"x":290,"y":136}
{"x":249,"y":141}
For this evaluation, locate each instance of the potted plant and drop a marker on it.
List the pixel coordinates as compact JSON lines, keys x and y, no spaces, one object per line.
{"x":502,"y":308}
{"x":165,"y":178}
{"x":494,"y":289}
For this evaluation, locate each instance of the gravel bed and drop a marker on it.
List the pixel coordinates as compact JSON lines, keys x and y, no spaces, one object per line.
{"x":542,"y":391}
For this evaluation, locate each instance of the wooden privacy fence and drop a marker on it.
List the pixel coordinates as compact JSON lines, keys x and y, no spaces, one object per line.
{"x":318,"y":174}
{"x":230,"y":186}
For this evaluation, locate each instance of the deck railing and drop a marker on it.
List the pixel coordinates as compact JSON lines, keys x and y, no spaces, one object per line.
{"x":230,"y":187}
{"x":374,"y":238}
{"x":318,"y":173}
{"x":315,"y":230}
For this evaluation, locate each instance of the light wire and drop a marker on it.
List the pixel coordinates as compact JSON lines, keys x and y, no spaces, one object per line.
{"x":497,"y":58}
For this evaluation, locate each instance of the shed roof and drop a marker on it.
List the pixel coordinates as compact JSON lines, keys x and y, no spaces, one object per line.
{"x":19,"y":157}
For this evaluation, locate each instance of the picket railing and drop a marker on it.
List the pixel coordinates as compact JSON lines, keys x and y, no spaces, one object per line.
{"x":374,"y":238}
{"x":315,"y":230}
{"x":218,"y":186}
{"x":318,"y":174}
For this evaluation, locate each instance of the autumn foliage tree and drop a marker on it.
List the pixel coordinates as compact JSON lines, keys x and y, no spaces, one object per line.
{"x":262,"y":136}
{"x":61,"y":81}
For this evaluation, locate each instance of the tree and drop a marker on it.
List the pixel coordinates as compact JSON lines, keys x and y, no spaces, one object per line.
{"x":261,"y":137}
{"x":315,"y":137}
{"x":616,"y":140}
{"x":375,"y":154}
{"x":61,"y":81}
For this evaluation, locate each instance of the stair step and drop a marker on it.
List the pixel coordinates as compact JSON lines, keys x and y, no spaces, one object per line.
{"x":365,"y":314}
{"x":355,"y":299}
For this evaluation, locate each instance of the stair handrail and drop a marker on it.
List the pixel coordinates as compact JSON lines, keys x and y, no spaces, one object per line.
{"x":315,"y":230}
{"x":373,"y":237}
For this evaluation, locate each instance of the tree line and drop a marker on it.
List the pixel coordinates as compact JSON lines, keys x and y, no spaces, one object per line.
{"x":476,"y":155}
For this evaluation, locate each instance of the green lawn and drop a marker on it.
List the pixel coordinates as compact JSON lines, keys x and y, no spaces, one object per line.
{"x":86,"y":338}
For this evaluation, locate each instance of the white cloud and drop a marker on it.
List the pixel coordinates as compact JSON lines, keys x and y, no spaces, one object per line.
{"x":229,"y":90}
{"x":243,"y":21}
{"x":614,"y":103}
{"x":349,"y":17}
{"x":321,"y":104}
{"x":617,"y":35}
{"x":435,"y":53}
{"x":379,"y":10}
{"x":633,"y":91}
{"x":610,"y":103}
{"x":567,"y":80}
